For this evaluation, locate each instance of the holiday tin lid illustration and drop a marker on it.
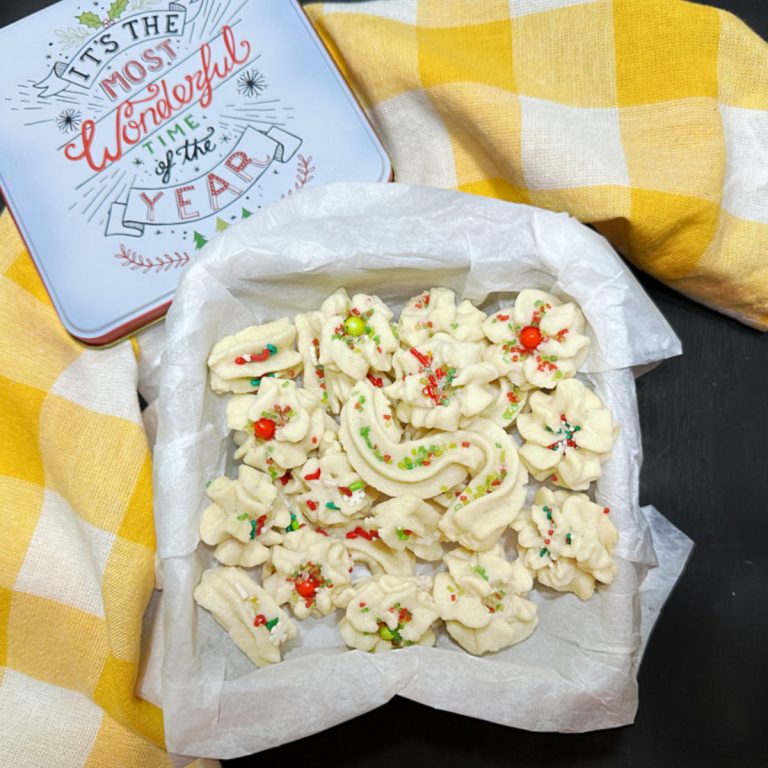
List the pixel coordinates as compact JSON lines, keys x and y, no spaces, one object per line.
{"x":135,"y":130}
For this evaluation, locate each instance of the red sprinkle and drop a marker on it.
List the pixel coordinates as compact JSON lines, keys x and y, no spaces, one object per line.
{"x":240,"y":361}
{"x":606,"y":510}
{"x":363,"y":534}
{"x":503,"y":318}
{"x":376,"y":381}
{"x":286,"y":478}
{"x":313,"y":475}
{"x":259,"y":620}
{"x":423,"y":359}
{"x":312,"y":504}
{"x":465,"y":444}
{"x":321,"y":531}
{"x":345,"y":490}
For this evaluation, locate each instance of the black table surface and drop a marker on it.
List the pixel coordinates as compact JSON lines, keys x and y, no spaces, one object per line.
{"x":704,"y":678}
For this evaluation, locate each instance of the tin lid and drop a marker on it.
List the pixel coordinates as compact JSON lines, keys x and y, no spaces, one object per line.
{"x":135,"y":130}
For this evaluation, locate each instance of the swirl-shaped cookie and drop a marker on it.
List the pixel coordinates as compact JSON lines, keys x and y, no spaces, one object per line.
{"x":432,"y":465}
{"x":568,"y":435}
{"x":237,"y":363}
{"x":481,"y":599}
{"x":441,"y":384}
{"x":240,"y":523}
{"x":250,"y":616}
{"x":435,"y":311}
{"x":538,"y":341}
{"x":567,"y":541}
{"x":387,"y":612}
{"x":277,"y":427}
{"x":306,"y":571}
{"x":356,"y":335}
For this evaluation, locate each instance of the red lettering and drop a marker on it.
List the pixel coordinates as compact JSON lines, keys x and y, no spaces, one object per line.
{"x":108,"y":82}
{"x":238,"y":161}
{"x":135,"y":71}
{"x":150,"y":204}
{"x":216,"y":187}
{"x":182,"y":203}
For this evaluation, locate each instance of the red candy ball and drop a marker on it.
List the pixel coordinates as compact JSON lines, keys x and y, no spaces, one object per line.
{"x":530,"y":337}
{"x":264,"y":428}
{"x":307,"y":587}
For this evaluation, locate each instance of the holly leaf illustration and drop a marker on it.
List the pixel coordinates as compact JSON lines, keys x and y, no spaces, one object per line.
{"x":117,"y":9}
{"x":89,"y":19}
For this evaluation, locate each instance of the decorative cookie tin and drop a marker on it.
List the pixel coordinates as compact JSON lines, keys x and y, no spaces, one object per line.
{"x":135,"y":130}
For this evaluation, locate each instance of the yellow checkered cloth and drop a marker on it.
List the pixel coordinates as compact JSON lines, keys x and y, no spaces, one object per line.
{"x":77,"y":559}
{"x":645,"y":118}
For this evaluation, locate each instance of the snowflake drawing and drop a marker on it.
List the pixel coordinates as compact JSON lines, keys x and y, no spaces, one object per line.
{"x":251,"y":83}
{"x":69,"y":120}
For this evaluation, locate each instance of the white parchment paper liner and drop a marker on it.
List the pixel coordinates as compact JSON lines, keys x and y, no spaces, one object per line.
{"x":577,"y":671}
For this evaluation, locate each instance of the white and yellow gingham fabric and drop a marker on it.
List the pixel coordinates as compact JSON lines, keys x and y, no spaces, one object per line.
{"x":646,"y":118}
{"x":77,"y":552}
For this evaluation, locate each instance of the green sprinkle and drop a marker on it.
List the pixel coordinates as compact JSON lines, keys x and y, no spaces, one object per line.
{"x":244,"y":516}
{"x":357,"y":486}
{"x":255,"y":382}
{"x":385,"y":633}
{"x":365,"y":610}
{"x":331,"y":505}
{"x":568,"y":538}
{"x":480,"y":571}
{"x":294,"y":524}
{"x":272,"y":623}
{"x":543,"y":551}
{"x":272,"y":349}
{"x":253,"y":529}
{"x":401,"y":534}
{"x":548,"y":511}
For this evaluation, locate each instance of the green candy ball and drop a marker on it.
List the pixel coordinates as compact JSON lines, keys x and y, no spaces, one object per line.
{"x":354,"y":326}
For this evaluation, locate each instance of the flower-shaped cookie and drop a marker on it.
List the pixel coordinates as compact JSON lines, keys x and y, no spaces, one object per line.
{"x":537,"y":342}
{"x":567,"y":541}
{"x":334,"y":493}
{"x":238,"y":362}
{"x":277,"y":427}
{"x":407,"y":522}
{"x":356,"y":335}
{"x":251,"y":617}
{"x":307,"y":570}
{"x":481,"y":599}
{"x":240,"y":523}
{"x":387,"y":612}
{"x":330,"y":385}
{"x":434,"y":312}
{"x":508,"y":401}
{"x":441,"y":383}
{"x":568,"y":434}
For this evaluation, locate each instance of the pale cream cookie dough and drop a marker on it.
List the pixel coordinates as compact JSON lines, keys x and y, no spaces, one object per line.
{"x":251,"y":617}
{"x":407,"y":522}
{"x":277,"y":428}
{"x":430,"y":466}
{"x":508,"y":401}
{"x":333,"y":492}
{"x":356,"y":335}
{"x":242,"y":519}
{"x":567,"y":541}
{"x":365,"y":547}
{"x":306,"y":571}
{"x":237,"y":363}
{"x":538,"y":342}
{"x":482,"y":600}
{"x":568,"y":435}
{"x":441,"y":383}
{"x":331,"y":386}
{"x":434,"y":312}
{"x":387,"y":612}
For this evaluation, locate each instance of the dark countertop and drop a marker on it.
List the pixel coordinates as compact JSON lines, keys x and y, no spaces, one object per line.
{"x":704,"y":678}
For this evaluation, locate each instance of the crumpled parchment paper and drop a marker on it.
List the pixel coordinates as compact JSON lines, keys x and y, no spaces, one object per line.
{"x":577,"y":671}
